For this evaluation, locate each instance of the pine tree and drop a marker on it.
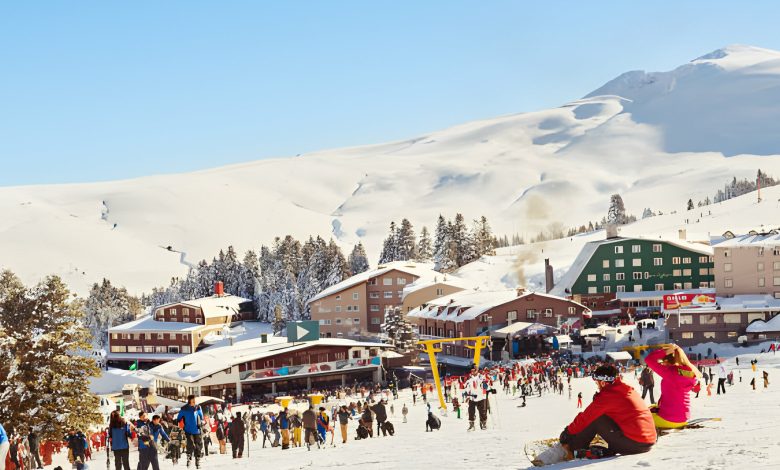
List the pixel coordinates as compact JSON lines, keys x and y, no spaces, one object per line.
{"x":390,"y":246}
{"x":406,"y":243}
{"x":399,"y":332}
{"x":250,"y":274}
{"x":617,"y":210}
{"x":464,"y":245}
{"x":358,"y":260}
{"x":444,"y":256}
{"x":424,"y":248}
{"x":108,"y":306}
{"x":484,"y":242}
{"x":44,"y":379}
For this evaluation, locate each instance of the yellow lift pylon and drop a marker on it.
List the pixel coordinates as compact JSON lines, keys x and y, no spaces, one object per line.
{"x":429,"y":346}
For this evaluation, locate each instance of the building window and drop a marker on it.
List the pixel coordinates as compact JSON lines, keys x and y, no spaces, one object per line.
{"x":348,"y":321}
{"x":659,"y":287}
{"x":349,"y":308}
{"x":388,"y":294}
{"x":676,"y":272}
{"x":356,"y":321}
{"x":708,"y":319}
{"x":618,"y":249}
{"x":591,"y":278}
{"x":401,"y":281}
{"x":388,"y":281}
{"x":605,"y":277}
{"x":374,"y":295}
{"x":730,"y":282}
{"x":325,"y":321}
{"x":338,"y":308}
{"x":704,"y":259}
{"x":636,"y":275}
{"x":185,"y":349}
{"x":607,"y":289}
{"x":338,"y":297}
{"x":760,"y":251}
{"x":755,"y":316}
{"x":636,"y":262}
{"x":686,"y":319}
{"x":677,"y":286}
{"x":637,"y":287}
{"x":400,"y":294}
{"x":160,"y":349}
{"x":776,"y":251}
{"x":687,"y":260}
{"x":619,"y":263}
{"x":372,"y":281}
{"x":173,"y":350}
{"x":531,"y":313}
{"x":658,"y":261}
{"x":636,"y":248}
{"x":605,"y":263}
{"x":703,"y":271}
{"x":703,"y":284}
{"x":727,"y":267}
{"x":548,"y":312}
{"x":687,"y":285}
{"x":657,"y":247}
{"x":375,"y":308}
{"x":173,"y":311}
{"x":620,"y":288}
{"x":676,"y":260}
{"x":160,"y":335}
{"x":199,"y":320}
{"x":727,"y":253}
{"x":338,"y":321}
{"x":647,"y":275}
{"x":118,"y":349}
{"x":731,"y":334}
{"x":776,"y":265}
{"x":709,"y":335}
{"x":687,"y":272}
{"x":355,"y":296}
{"x":620,"y":276}
{"x":511,"y":315}
{"x":776,"y":281}
{"x":761,"y":282}
{"x":439,"y":291}
{"x":732,"y":318}
{"x":374,"y":321}
{"x":687,"y":335}
{"x":593,"y":290}
{"x":572,"y":310}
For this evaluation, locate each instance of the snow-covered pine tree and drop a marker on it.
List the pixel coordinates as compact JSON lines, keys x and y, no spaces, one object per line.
{"x":44,"y":379}
{"x":250,"y":274}
{"x":424,"y":248}
{"x":464,"y":245}
{"x":338,"y":267}
{"x":390,"y":246}
{"x":399,"y":332}
{"x":358,"y":260}
{"x":444,"y":256}
{"x":406,"y":243}
{"x":484,"y":242}
{"x":617,"y":210}
{"x":108,"y":306}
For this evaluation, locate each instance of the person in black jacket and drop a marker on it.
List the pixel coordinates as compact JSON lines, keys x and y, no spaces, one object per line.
{"x":236,"y":433}
{"x":381,"y":416}
{"x":647,"y":382}
{"x":35,"y":445}
{"x":77,"y":443}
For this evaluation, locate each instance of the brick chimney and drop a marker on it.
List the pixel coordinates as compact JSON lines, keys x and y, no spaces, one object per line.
{"x":219,"y":289}
{"x":520,"y":291}
{"x":549,"y":282}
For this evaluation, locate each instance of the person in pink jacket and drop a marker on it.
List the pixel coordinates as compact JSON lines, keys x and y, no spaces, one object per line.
{"x":678,"y":378}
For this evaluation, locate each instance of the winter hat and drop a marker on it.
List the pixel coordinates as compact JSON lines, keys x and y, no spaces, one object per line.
{"x":605,"y":373}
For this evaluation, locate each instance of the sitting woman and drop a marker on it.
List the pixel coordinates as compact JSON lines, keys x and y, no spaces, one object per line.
{"x":679,"y":376}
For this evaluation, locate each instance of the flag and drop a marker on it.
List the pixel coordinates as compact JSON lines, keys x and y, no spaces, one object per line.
{"x":134,"y":366}
{"x":121,"y":407}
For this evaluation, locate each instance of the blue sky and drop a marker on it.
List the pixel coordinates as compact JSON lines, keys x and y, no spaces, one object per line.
{"x":107,"y":90}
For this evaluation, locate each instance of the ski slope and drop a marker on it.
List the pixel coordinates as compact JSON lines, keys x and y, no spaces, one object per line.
{"x":658,"y":139}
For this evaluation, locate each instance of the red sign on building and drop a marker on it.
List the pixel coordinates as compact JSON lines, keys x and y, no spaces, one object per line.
{"x":684,"y":301}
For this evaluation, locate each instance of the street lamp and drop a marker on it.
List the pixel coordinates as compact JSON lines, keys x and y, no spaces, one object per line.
{"x":490,"y":325}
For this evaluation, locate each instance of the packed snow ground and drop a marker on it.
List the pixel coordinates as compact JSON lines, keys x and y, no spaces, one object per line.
{"x":657,"y":139}
{"x":745,"y":438}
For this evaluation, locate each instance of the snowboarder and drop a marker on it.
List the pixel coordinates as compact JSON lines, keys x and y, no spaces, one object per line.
{"x":192,"y":415}
{"x":679,"y":376}
{"x":617,"y":414}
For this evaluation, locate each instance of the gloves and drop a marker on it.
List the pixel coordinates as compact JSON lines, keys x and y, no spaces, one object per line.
{"x":565,"y":437}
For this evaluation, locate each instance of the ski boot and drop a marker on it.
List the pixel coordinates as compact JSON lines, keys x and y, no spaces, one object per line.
{"x":483,"y":425}
{"x":471,"y":426}
{"x":197,"y":463}
{"x":189,"y":461}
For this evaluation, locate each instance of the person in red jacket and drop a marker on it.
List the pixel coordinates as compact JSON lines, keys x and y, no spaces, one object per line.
{"x":617,"y":414}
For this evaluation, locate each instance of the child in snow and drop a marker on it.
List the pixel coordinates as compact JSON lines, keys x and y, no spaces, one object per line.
{"x":679,"y":376}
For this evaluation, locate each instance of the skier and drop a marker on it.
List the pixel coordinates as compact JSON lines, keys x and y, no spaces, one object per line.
{"x":322,"y":424}
{"x":617,"y":414}
{"x":192,"y":416}
{"x":475,"y":390}
{"x":4,"y":446}
{"x":722,"y":376}
{"x":147,"y":444}
{"x":679,"y":376}
{"x":236,"y":432}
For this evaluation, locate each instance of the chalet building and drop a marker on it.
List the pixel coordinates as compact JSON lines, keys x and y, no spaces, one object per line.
{"x":477,"y":313}
{"x":747,"y":264}
{"x":175,"y":329}
{"x":725,"y":321}
{"x":622,"y":276}
{"x":424,"y":290}
{"x":256,"y":369}
{"x":356,"y":306}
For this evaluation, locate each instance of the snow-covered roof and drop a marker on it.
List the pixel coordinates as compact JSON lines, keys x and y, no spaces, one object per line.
{"x":761,"y":326}
{"x":574,"y":272}
{"x":439,"y":279}
{"x":416,"y":269}
{"x":469,"y":304}
{"x":195,"y":366}
{"x":747,"y":302}
{"x":620,"y":356}
{"x":215,"y":305}
{"x":767,"y":239}
{"x":148,"y":323}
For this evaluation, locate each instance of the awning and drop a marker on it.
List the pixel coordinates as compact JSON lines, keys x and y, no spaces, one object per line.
{"x":562,"y":339}
{"x":524,"y":328}
{"x":205,"y":400}
{"x":620,"y":356}
{"x":390,"y":355}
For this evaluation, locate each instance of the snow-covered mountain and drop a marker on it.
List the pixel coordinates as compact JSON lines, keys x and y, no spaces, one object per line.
{"x":658,"y":139}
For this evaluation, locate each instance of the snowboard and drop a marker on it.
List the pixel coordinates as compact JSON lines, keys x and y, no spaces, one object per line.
{"x":692,"y":424}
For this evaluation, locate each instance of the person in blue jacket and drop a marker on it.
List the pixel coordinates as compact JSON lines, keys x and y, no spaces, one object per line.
{"x":4,"y":446}
{"x":192,"y":416}
{"x":119,"y":434}
{"x":148,"y":438}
